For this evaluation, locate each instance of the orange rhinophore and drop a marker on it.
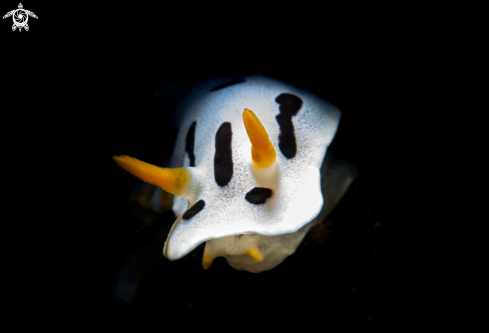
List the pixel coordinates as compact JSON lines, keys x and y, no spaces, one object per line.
{"x":174,"y":181}
{"x":262,"y":151}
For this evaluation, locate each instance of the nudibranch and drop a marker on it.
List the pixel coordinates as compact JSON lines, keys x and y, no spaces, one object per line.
{"x":250,"y":173}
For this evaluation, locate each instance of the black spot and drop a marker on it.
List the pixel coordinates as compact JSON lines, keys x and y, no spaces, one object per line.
{"x":223,"y":159}
{"x":189,"y":143}
{"x":194,"y":210}
{"x":258,"y":195}
{"x":227,"y":84}
{"x":289,"y":106}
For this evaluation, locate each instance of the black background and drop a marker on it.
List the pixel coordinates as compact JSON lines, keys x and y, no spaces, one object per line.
{"x":79,"y":87}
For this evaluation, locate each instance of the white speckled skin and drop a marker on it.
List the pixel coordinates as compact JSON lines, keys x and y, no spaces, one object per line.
{"x":296,"y":183}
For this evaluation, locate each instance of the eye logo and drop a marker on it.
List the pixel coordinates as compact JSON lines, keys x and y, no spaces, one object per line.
{"x":20,"y":17}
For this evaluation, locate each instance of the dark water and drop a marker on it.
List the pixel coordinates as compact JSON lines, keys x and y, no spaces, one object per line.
{"x":107,"y":76}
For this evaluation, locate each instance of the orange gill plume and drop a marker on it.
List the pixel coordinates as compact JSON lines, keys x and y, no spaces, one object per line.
{"x":262,"y":151}
{"x":231,"y":246}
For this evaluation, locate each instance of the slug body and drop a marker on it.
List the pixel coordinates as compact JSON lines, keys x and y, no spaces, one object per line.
{"x":252,"y":153}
